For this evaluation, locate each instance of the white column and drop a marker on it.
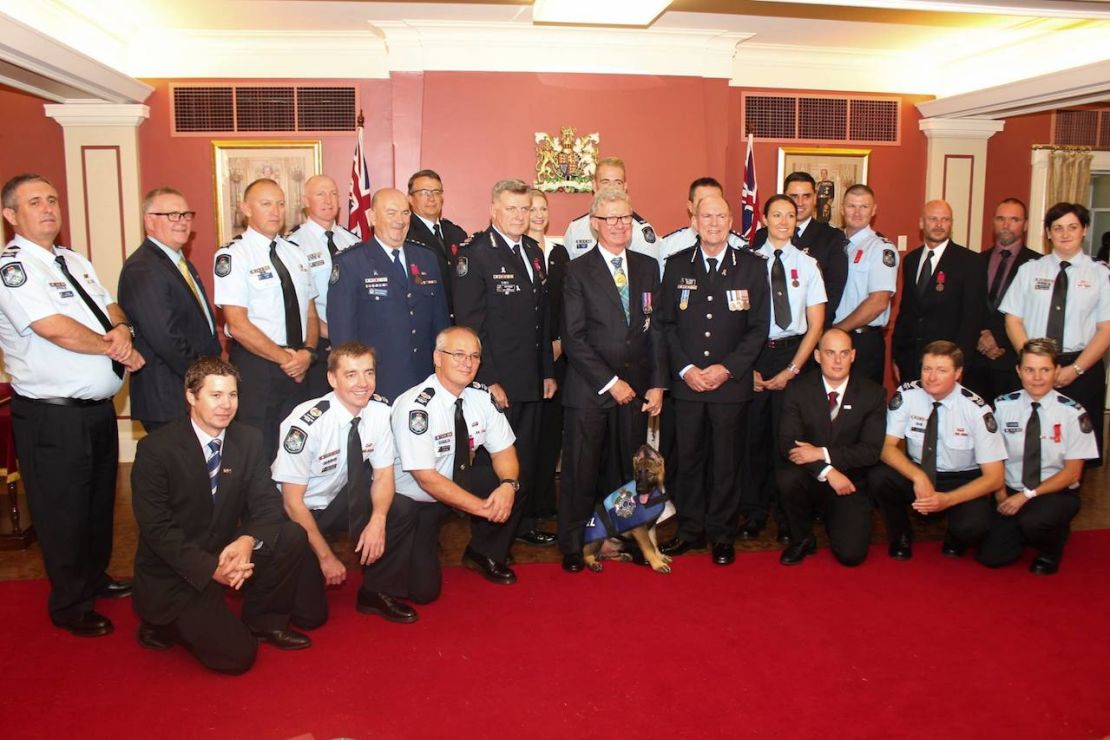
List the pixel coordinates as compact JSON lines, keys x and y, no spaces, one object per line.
{"x":103,"y":201}
{"x":956,"y":171}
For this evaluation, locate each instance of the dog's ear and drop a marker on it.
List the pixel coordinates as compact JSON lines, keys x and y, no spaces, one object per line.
{"x":651,"y":453}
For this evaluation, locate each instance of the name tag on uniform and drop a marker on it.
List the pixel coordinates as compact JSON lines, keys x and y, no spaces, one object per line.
{"x":262,"y":273}
{"x":377,"y":285}
{"x":582,"y":244}
{"x":688,"y":284}
{"x":506,"y":287}
{"x":1042,"y":283}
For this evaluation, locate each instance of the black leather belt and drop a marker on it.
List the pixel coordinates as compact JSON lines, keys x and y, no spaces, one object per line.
{"x":79,"y":402}
{"x":793,"y":341}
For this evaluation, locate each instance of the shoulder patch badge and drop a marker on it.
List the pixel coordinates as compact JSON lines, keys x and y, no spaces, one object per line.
{"x":1085,"y":423}
{"x":649,"y":234}
{"x":888,"y":257}
{"x":14,"y":276}
{"x":989,"y":420}
{"x":895,"y":401}
{"x":223,"y":265}
{"x":334,"y":274}
{"x":294,"y":440}
{"x":315,"y":412}
{"x":462,"y":266}
{"x":418,"y":421}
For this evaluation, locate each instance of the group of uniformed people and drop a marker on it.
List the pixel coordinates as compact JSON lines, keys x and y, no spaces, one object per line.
{"x":382,"y":382}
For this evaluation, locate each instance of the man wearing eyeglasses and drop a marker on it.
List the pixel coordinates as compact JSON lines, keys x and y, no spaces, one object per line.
{"x":427,"y":225}
{"x":580,"y":236}
{"x":161,"y":290}
{"x":439,"y":426}
{"x":617,"y":366}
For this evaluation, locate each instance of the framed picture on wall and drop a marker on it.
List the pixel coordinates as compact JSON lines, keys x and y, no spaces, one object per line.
{"x":238,"y":163}
{"x":834,"y":170}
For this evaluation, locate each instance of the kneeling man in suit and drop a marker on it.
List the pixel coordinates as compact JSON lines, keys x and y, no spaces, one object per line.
{"x":210,"y":517}
{"x":833,"y":423}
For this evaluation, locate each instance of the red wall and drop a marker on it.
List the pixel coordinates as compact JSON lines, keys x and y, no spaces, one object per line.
{"x":30,"y":142}
{"x":1008,"y":165}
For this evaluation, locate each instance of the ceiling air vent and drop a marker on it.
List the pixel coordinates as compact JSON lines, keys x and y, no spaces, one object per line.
{"x":252,"y":109}
{"x":823,"y":119}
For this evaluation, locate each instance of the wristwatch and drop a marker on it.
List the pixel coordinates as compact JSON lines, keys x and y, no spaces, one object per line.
{"x":512,"y":482}
{"x":1078,"y":370}
{"x":130,"y":328}
{"x":312,"y":353}
{"x":1030,"y":493}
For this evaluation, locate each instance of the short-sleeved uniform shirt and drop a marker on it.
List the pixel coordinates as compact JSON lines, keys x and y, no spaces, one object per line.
{"x":311,"y":238}
{"x":424,"y":430}
{"x":33,"y":288}
{"x":1088,"y":303}
{"x":804,"y":287}
{"x":313,"y":451}
{"x":1066,"y":433}
{"x":967,"y":431}
{"x":246,"y":277}
{"x":579,"y":239}
{"x":872,"y":267}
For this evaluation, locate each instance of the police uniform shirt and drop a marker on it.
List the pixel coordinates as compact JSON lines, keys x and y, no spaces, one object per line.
{"x":967,"y":432}
{"x":872,"y":267}
{"x":424,"y":428}
{"x":246,"y":277}
{"x":1088,"y":303}
{"x":1066,"y":433}
{"x":34,"y":288}
{"x":578,"y":238}
{"x":310,"y":237}
{"x":804,"y":287}
{"x":686,"y":237}
{"x":313,"y":451}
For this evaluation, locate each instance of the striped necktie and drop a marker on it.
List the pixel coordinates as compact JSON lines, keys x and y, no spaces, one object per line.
{"x":214,"y":464}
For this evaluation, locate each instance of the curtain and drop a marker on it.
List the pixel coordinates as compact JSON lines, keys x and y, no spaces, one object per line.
{"x":1069,"y":175}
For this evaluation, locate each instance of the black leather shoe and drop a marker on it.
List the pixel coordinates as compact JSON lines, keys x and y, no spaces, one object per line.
{"x":115,"y":588}
{"x":1044,"y":565}
{"x":574,"y":562}
{"x":386,"y":607}
{"x":679,"y":546}
{"x":286,"y":639}
{"x":537,"y":538}
{"x":491,"y":570}
{"x":900,"y":548}
{"x":797,"y":552}
{"x":951,"y":548}
{"x":751,"y":531}
{"x":724,"y":553}
{"x":155,"y":637}
{"x":89,"y":624}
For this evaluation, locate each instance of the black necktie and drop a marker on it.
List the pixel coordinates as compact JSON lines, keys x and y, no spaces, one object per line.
{"x":437,"y":232}
{"x":926,"y":272}
{"x":999,"y":273}
{"x":460,"y":471}
{"x":1058,"y":307}
{"x":1031,"y":455}
{"x":294,"y":333}
{"x":102,"y":317}
{"x":929,"y":450}
{"x":712,"y":261}
{"x":399,"y":268}
{"x":519,"y":253}
{"x":358,"y":485}
{"x":779,"y":299}
{"x":331,"y":243}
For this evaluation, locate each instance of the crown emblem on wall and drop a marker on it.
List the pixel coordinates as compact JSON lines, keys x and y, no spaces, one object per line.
{"x":565,"y":163}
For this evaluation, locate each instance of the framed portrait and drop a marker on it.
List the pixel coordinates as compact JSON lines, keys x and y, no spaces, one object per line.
{"x":238,"y":163}
{"x":834,"y":170}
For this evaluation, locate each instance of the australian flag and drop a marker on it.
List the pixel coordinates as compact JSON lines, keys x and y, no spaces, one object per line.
{"x":358,"y":200}
{"x":749,"y":197}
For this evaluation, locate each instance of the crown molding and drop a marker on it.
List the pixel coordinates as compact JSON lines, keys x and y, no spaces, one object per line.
{"x":959,"y":128}
{"x":96,"y":113}
{"x":829,"y":68}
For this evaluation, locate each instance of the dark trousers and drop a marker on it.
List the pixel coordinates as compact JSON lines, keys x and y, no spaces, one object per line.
{"x":316,"y":379}
{"x":968,"y":522}
{"x":388,"y":574}
{"x":486,"y":538}
{"x":668,"y":442}
{"x":67,"y":459}
{"x":524,"y":417}
{"x":870,"y":349}
{"x":706,"y":494}
{"x":847,"y":518}
{"x":992,"y":378}
{"x":1043,"y":522}
{"x":1090,"y":390}
{"x":211,"y":631}
{"x":598,"y":445}
{"x":762,"y":454}
{"x":266,"y":395}
{"x":541,"y":503}
{"x":418,"y":576}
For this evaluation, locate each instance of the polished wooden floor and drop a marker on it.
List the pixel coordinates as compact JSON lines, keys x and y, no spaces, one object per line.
{"x":27,"y":563}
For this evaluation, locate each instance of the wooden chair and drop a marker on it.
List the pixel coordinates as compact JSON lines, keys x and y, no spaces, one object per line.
{"x":18,"y":537}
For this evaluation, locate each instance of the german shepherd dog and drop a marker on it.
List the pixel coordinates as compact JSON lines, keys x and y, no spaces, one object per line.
{"x":632,"y":510}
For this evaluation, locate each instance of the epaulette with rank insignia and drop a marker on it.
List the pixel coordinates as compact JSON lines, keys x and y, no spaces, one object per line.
{"x":380,"y":399}
{"x":896,"y":399}
{"x":480,"y":386}
{"x":973,"y":396}
{"x":1068,"y":401}
{"x":315,"y":412}
{"x":668,"y":236}
{"x":684,"y":253}
{"x":416,"y":244}
{"x":425,"y":396}
{"x":1009,"y":396}
{"x":466,"y":241}
{"x":586,"y":215}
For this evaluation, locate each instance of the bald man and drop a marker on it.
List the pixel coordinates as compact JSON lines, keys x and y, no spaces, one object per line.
{"x":388,"y":293}
{"x":942,"y":294}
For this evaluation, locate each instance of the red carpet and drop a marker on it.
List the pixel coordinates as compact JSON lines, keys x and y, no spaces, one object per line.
{"x":927,"y":649}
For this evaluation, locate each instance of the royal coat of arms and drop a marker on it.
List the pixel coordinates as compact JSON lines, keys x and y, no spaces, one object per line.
{"x":566,"y":163}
